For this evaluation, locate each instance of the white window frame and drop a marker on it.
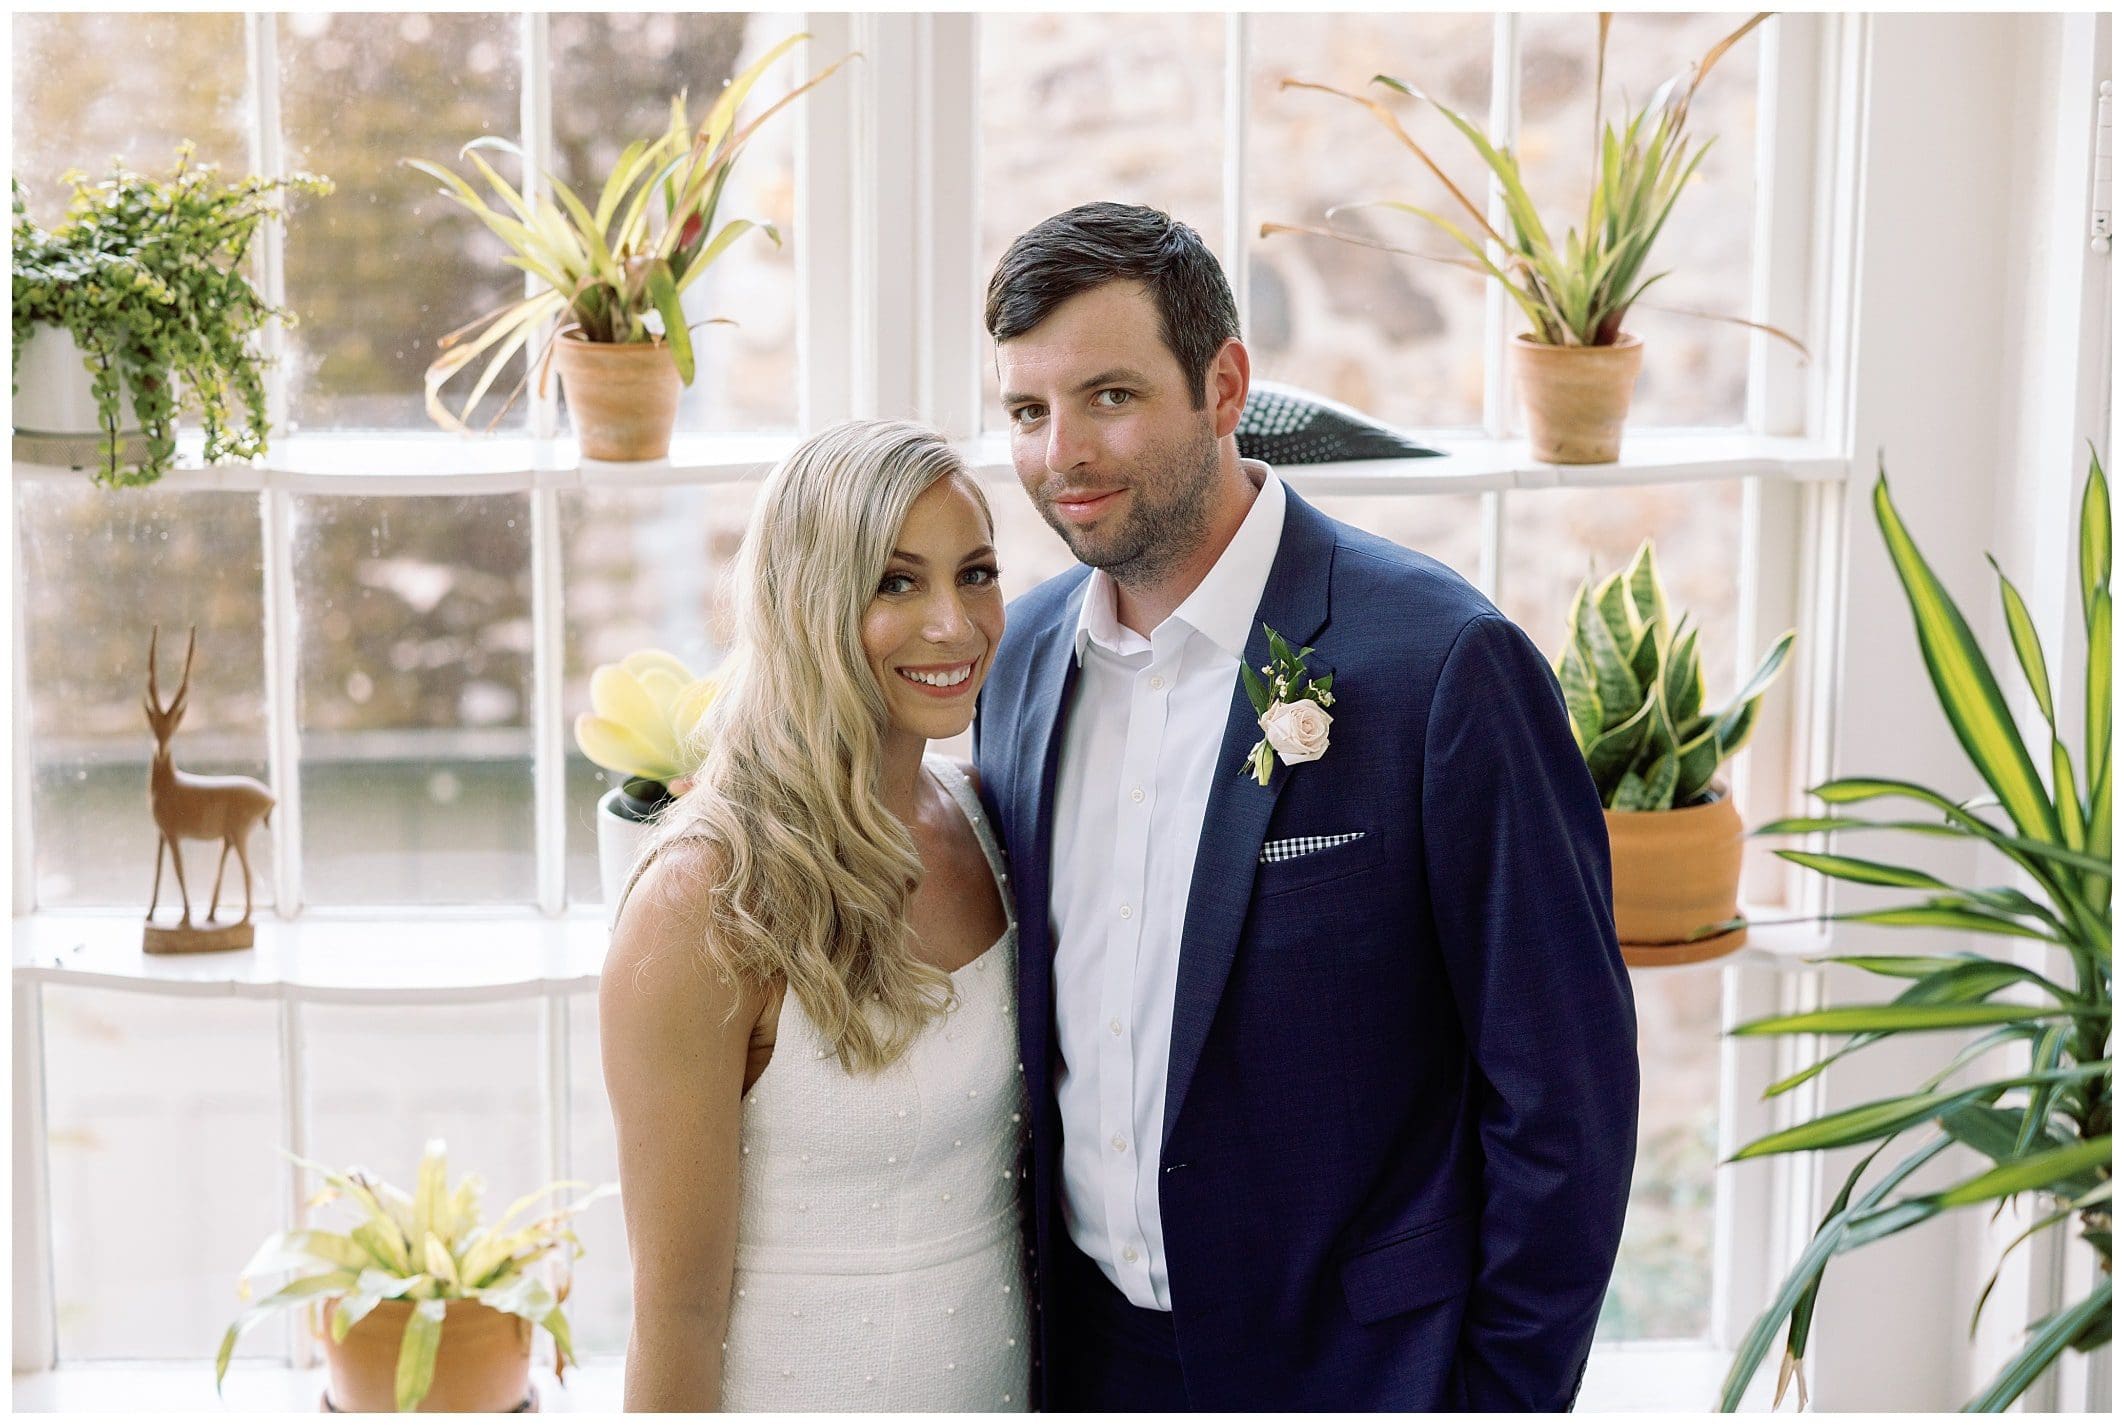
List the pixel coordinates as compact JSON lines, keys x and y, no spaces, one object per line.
{"x":887,"y":316}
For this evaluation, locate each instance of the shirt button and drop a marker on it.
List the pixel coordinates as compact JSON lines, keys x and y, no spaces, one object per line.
{"x":1120,"y":1144}
{"x":1126,"y":912}
{"x":1114,"y":1028}
{"x":1136,"y":795}
{"x":1157,"y":682}
{"x":1128,"y":1254}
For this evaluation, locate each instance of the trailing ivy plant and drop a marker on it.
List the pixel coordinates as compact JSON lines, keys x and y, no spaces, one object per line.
{"x":2044,"y":1127}
{"x":1634,"y":687}
{"x":147,"y":275}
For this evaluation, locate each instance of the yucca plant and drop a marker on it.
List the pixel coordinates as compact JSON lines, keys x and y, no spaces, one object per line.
{"x":1578,"y":291}
{"x":2046,"y":1126}
{"x":1634,"y":688}
{"x":429,"y":1248}
{"x":608,"y":271}
{"x":644,"y":709}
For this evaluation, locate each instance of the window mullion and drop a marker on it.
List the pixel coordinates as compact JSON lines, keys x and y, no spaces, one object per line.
{"x":947,"y":87}
{"x":1787,"y":104}
{"x":1237,"y":252}
{"x":35,"y":1298}
{"x":295,"y":1138}
{"x":535,"y":110}
{"x":1504,"y":127}
{"x":834,"y":223}
{"x":549,"y":789}
{"x":1489,"y":567}
{"x":25,"y":760}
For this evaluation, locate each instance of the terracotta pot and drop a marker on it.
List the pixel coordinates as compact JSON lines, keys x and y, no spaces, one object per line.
{"x":1676,"y":871}
{"x":622,"y":396}
{"x":483,"y":1363}
{"x":1576,"y":397}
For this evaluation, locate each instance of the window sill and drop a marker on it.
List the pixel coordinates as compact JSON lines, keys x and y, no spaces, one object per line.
{"x":445,"y":955}
{"x":1653,"y":1377}
{"x":434,"y":463}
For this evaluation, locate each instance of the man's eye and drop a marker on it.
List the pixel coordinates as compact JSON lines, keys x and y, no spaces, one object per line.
{"x":1026,"y":415}
{"x":1120,"y":398}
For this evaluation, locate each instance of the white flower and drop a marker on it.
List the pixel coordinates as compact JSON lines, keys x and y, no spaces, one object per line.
{"x":1298,"y":731}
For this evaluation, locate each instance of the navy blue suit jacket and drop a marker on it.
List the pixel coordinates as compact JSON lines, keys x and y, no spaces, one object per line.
{"x":1402,"y":1096}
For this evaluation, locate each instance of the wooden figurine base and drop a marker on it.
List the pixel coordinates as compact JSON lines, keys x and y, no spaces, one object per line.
{"x":175,"y":939}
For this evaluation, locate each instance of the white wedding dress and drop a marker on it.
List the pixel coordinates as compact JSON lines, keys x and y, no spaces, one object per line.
{"x":880,"y":1259}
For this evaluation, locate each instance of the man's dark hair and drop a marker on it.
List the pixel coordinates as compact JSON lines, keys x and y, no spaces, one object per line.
{"x":1097,"y":243}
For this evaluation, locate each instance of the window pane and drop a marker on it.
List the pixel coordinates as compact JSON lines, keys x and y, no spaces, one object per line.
{"x":1552,"y":537}
{"x":1082,"y":108}
{"x":613,"y":79}
{"x":99,"y":568}
{"x":1695,"y":371}
{"x":1396,"y":336}
{"x":600,"y":1309}
{"x":359,"y":93}
{"x":1661,"y":1290}
{"x":415,"y":632}
{"x":384,"y":1079}
{"x":164,"y":1116}
{"x":644,"y":568}
{"x":1446,"y":527}
{"x":90,"y":86}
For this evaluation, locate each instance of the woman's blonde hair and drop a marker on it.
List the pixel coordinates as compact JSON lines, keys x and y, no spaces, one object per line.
{"x":812,"y":875}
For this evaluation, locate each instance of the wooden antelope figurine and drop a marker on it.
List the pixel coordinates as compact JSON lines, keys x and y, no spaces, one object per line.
{"x":220,"y":809}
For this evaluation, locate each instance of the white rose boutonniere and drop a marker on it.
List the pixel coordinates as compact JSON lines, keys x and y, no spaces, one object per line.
{"x":1292,"y":707}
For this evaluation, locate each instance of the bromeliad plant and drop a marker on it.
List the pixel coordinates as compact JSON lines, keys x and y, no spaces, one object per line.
{"x":1634,"y":688}
{"x":430,"y":1249}
{"x":2046,"y":1128}
{"x":147,"y":276}
{"x":644,"y":709}
{"x":610,"y":275}
{"x":1578,"y":291}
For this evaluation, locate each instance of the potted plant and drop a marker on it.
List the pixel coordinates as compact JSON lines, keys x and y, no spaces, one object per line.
{"x":427,"y":1308}
{"x":1634,"y":688}
{"x":644,"y":710}
{"x":138,"y":289}
{"x":2045,"y":1127}
{"x":1576,"y":367}
{"x":624,"y":346}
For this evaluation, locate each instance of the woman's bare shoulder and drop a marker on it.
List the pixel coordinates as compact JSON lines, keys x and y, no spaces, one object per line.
{"x":661,"y":954}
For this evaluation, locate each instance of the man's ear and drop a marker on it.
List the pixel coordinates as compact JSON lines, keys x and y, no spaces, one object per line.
{"x":1230,"y":377}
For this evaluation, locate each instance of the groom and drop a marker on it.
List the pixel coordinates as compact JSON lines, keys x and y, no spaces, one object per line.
{"x":1334,"y":1079}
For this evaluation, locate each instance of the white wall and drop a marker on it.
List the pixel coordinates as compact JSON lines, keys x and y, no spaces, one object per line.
{"x":1965,"y":279}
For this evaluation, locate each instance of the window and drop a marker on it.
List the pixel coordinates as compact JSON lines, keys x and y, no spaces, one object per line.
{"x":396,"y":628}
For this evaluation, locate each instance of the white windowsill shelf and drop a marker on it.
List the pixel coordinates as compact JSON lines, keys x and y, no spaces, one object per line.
{"x":442,"y":956}
{"x":384,"y":463}
{"x":1653,"y":1377}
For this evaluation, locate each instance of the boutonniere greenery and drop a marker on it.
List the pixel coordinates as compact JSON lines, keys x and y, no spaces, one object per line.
{"x":1292,"y":707}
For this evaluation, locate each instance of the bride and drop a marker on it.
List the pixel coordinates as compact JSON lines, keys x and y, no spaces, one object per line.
{"x":807,"y":1006}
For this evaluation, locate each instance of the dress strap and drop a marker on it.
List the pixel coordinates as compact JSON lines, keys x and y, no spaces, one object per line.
{"x":960,"y":785}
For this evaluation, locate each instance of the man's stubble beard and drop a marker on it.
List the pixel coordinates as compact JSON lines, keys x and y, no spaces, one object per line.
{"x":1158,"y":534}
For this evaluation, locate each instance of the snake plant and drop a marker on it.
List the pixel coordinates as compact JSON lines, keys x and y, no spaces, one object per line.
{"x":2044,"y":1127}
{"x":428,"y":1248}
{"x":1634,"y":687}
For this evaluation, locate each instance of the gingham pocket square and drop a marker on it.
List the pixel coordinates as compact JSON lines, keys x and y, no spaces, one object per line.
{"x":1293,"y":847}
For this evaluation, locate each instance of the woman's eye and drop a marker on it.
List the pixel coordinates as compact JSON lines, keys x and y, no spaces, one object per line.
{"x":895,"y":584}
{"x":981,"y":574}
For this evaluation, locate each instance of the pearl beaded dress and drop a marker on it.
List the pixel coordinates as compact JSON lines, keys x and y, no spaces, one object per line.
{"x":880,"y":1256}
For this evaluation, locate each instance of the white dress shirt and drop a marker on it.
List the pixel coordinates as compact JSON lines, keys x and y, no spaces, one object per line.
{"x":1138,"y":759}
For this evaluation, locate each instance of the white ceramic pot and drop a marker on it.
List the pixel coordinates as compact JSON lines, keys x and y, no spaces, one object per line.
{"x":619,"y":841}
{"x":54,"y":395}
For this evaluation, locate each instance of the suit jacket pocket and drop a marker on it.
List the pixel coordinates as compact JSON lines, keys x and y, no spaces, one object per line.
{"x":1317,"y":868}
{"x":1432,"y":1264}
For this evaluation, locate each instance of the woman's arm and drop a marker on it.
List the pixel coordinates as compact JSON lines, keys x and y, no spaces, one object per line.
{"x":674,"y":1058}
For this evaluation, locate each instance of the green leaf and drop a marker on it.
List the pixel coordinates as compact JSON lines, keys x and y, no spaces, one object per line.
{"x":1611,"y":670}
{"x":1895,"y":1018}
{"x":2049,"y":1050}
{"x":1868,"y":1121}
{"x":1580,"y":697}
{"x":1682,"y":680}
{"x":2094,"y":535}
{"x":1968,"y":692}
{"x":1865,"y":873}
{"x":301,"y":1290}
{"x":2047,"y":1170}
{"x":416,"y":1353}
{"x":2027,"y":646}
{"x":663,"y":295}
{"x":1255,"y":692}
{"x":2045,"y":1344}
{"x":2098,"y":692}
{"x":349,"y":1311}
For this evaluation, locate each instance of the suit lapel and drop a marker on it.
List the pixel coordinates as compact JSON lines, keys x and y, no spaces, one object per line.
{"x":1051,"y":677}
{"x":1294,"y":602}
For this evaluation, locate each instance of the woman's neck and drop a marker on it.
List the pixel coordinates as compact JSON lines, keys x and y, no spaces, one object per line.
{"x":900,"y":773}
